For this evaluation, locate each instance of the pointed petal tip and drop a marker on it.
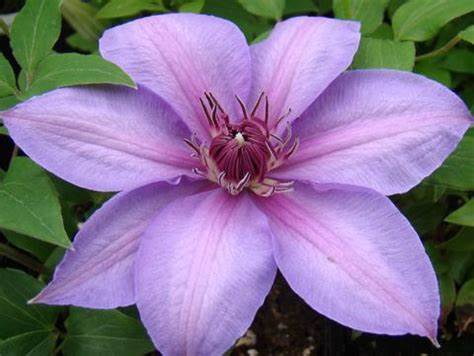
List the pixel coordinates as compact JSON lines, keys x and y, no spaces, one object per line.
{"x":435,"y":342}
{"x":34,"y":300}
{"x":43,"y":297}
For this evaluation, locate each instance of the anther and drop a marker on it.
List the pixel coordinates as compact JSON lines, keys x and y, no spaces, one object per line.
{"x":283,"y":117}
{"x":269,"y":192}
{"x":266,"y":111}
{"x":243,"y":182}
{"x":276,"y":138}
{"x":257,"y":104}
{"x":289,"y":134}
{"x":196,"y":149}
{"x":220,"y":178}
{"x":213,"y":98}
{"x":206,"y":112}
{"x":272,"y":151}
{"x":242,"y":106}
{"x":198,"y":172}
{"x":214,"y":116}
{"x":293,"y":148}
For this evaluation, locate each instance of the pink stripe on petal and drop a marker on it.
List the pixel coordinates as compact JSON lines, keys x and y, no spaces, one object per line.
{"x":99,"y":272}
{"x":180,"y":57}
{"x":302,"y":56}
{"x":102,"y":138}
{"x":354,"y":258}
{"x":203,"y":269}
{"x":381,"y":129}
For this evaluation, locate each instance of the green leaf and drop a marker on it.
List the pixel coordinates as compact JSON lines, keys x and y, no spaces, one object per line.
{"x":193,"y":6}
{"x":424,"y":216}
{"x":437,"y":258}
{"x":71,"y":193}
{"x":420,"y":20}
{"x":272,"y":9}
{"x":447,"y":291}
{"x":457,"y":172}
{"x":37,"y":248}
{"x":467,"y":94}
{"x":104,"y":332}
{"x":379,"y":53}
{"x":293,"y":7}
{"x":81,"y":44}
{"x":29,"y":203}
{"x":8,"y":102}
{"x":459,"y":263}
{"x":393,"y":5}
{"x":465,"y":305}
{"x":82,"y":18}
{"x":466,"y":294}
{"x":384,"y":32}
{"x":467,"y":34}
{"x":463,"y":216}
{"x":3,"y":131}
{"x":7,"y":78}
{"x":34,"y":32}
{"x":22,"y":81}
{"x":433,"y":71}
{"x":459,"y":60}
{"x":62,"y":70}
{"x":261,"y":37}
{"x":324,"y":6}
{"x":250,"y":25}
{"x":368,"y":12}
{"x":16,"y":316}
{"x":31,"y":343}
{"x":463,"y":241}
{"x":126,"y":8}
{"x":53,"y":260}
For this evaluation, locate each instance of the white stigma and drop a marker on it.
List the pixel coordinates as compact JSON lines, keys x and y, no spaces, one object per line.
{"x":239,"y":138}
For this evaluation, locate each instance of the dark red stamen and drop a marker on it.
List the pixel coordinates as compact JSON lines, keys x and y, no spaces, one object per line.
{"x":240,"y":151}
{"x":241,"y":155}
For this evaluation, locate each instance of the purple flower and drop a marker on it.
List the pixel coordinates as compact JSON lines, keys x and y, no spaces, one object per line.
{"x":291,"y":163}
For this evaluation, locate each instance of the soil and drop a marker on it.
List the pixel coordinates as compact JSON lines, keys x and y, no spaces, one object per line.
{"x":286,"y":325}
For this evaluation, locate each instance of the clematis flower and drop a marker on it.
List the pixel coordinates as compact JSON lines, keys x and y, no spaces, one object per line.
{"x":235,"y":161}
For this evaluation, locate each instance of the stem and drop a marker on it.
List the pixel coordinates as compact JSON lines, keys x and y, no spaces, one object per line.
{"x":59,"y":348}
{"x":19,"y":257}
{"x":442,"y":50}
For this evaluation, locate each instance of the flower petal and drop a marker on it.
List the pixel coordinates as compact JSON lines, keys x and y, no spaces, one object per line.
{"x":98,"y":272}
{"x":354,"y":258}
{"x":202,"y":272}
{"x":102,"y":138}
{"x":381,"y":129}
{"x":302,"y":56}
{"x":181,"y":56}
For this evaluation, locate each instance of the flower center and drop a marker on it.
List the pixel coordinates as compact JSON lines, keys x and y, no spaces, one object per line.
{"x":240,"y":150}
{"x":241,"y":155}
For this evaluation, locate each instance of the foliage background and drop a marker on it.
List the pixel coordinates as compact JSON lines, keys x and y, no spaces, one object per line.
{"x":53,"y":44}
